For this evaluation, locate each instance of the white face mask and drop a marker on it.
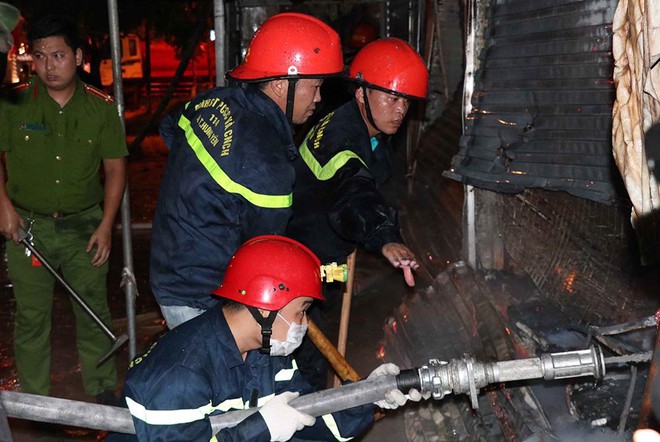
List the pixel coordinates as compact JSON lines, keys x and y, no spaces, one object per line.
{"x":294,"y":338}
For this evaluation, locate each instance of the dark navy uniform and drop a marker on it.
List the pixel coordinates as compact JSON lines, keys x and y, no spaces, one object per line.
{"x":337,"y":206}
{"x":196,"y":370}
{"x":336,"y":203}
{"x":228,"y":178}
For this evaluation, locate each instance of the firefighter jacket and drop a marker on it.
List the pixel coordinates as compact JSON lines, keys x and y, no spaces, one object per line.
{"x":228,"y":178}
{"x":196,"y":370}
{"x":336,"y":204}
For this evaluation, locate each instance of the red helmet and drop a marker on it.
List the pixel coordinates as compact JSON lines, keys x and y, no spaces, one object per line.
{"x":363,"y":33}
{"x":291,"y":45}
{"x":269,"y":271}
{"x":391,"y":65}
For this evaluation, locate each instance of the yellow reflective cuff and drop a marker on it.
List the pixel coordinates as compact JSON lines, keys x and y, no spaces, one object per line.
{"x":326,"y":172}
{"x":286,"y":374}
{"x":168,"y":417}
{"x":220,"y":177}
{"x":213,"y":439}
{"x":334,"y":429}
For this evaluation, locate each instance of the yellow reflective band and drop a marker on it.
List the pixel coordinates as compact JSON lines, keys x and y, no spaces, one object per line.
{"x":334,"y":429}
{"x":168,"y":417}
{"x":214,"y":439}
{"x":286,"y":374}
{"x":220,"y":177}
{"x":229,"y":404}
{"x":326,"y":172}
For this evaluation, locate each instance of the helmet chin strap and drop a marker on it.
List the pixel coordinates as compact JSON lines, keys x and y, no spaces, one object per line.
{"x":370,"y":116}
{"x":266,"y":327}
{"x":291,"y":93}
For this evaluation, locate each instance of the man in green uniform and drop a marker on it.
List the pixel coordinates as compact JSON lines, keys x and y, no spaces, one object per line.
{"x":56,"y":132}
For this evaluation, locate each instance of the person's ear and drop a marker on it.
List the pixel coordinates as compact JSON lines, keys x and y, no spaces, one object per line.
{"x":359,"y":95}
{"x":278,"y":87}
{"x":79,"y":57}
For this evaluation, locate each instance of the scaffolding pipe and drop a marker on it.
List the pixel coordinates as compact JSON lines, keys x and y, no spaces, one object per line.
{"x":128,"y":281}
{"x":220,"y":40}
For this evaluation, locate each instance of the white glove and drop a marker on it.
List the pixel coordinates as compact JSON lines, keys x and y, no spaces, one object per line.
{"x":395,"y":398}
{"x":282,"y":419}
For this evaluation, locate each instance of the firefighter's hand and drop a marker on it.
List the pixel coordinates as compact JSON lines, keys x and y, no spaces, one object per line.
{"x":102,"y":238}
{"x":282,"y":419}
{"x":395,"y":398}
{"x":401,"y":257}
{"x":10,"y":221}
{"x":646,"y":435}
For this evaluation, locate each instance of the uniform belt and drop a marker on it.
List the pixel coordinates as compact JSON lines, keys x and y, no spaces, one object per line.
{"x":56,"y":214}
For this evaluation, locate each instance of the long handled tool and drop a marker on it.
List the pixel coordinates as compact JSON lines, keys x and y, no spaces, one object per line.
{"x":336,"y":359}
{"x":117,"y":341}
{"x":346,"y":309}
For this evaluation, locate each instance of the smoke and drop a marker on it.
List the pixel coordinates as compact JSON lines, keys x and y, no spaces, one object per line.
{"x":579,"y":432}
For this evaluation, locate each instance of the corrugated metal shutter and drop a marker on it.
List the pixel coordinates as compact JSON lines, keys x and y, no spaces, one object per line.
{"x":542,"y":107}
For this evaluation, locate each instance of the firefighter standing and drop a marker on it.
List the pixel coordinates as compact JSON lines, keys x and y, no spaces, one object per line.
{"x":238,"y":356}
{"x":229,"y":175}
{"x":343,"y":160}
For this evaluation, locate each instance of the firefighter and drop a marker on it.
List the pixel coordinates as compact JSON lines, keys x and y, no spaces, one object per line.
{"x":229,"y":175}
{"x":344,"y":159}
{"x":237,"y":356}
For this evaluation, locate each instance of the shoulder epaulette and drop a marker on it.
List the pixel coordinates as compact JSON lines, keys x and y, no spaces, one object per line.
{"x":20,"y":87}
{"x":98,"y":93}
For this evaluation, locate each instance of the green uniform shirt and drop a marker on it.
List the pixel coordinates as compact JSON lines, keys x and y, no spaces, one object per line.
{"x":54,"y":154}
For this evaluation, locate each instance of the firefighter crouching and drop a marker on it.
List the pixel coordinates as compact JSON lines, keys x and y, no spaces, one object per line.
{"x":238,"y":356}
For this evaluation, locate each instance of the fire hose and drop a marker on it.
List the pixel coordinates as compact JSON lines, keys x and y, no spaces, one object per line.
{"x":458,"y":376}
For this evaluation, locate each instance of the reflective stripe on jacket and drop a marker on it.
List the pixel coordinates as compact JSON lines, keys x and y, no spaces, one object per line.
{"x":228,"y":178}
{"x":196,"y":370}
{"x":336,"y":203}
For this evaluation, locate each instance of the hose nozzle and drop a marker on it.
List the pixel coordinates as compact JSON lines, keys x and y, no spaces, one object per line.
{"x":333,"y":272}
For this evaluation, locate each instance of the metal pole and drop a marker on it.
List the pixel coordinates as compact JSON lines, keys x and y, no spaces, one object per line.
{"x":128,"y":280}
{"x":468,"y":88}
{"x":220,"y":41}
